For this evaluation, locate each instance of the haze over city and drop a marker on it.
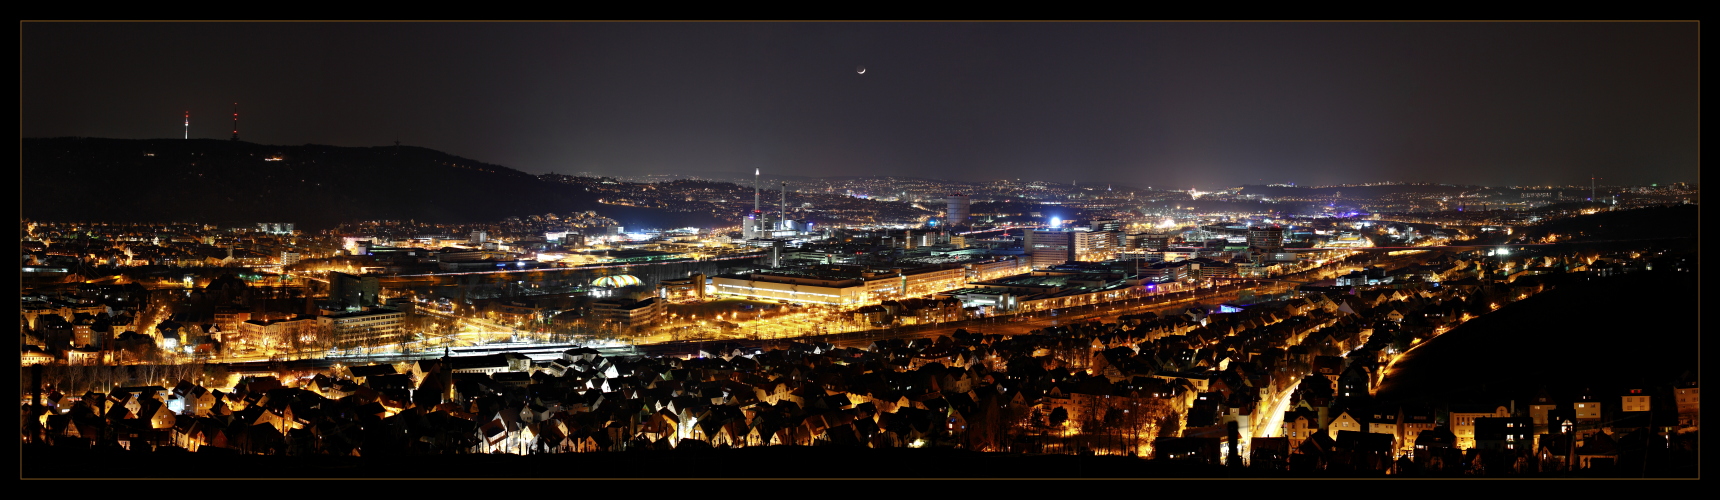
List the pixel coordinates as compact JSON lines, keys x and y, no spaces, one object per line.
{"x":1183,"y":104}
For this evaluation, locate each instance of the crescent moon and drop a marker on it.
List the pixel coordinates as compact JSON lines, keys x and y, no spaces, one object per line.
{"x":862,"y":70}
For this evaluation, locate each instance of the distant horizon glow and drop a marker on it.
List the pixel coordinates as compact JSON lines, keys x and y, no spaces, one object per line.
{"x":1321,"y":103}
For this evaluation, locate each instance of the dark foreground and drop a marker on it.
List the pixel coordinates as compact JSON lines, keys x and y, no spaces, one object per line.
{"x":795,"y":462}
{"x":1603,"y":334}
{"x":767,"y":462}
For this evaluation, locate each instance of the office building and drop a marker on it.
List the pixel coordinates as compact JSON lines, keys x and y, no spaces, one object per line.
{"x":354,"y":291}
{"x":1150,"y":242}
{"x":808,"y":289}
{"x":376,"y":327}
{"x":1094,"y":246}
{"x":626,"y":315}
{"x":689,"y":289}
{"x":1049,"y":247}
{"x":1266,"y":237}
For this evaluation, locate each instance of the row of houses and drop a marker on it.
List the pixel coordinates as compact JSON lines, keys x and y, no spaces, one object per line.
{"x":893,"y":394}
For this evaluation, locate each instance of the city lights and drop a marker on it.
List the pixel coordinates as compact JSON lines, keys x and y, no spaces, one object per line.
{"x":928,"y":265}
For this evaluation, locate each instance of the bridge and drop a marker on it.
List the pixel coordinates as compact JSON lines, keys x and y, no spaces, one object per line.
{"x":1260,"y":279}
{"x":1393,"y":249}
{"x":1493,"y":245}
{"x":535,"y":351}
{"x":485,"y":284}
{"x":1000,"y":229}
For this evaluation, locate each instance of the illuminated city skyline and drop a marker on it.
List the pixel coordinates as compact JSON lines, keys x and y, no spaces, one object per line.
{"x":997,"y":250}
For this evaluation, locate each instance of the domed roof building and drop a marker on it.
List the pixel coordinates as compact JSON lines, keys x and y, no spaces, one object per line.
{"x":617,"y":281}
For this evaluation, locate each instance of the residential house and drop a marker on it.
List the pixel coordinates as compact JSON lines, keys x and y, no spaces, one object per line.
{"x":1347,"y":420}
{"x":1597,"y":451}
{"x":1436,"y":449}
{"x":1388,"y":420}
{"x":1414,"y":421}
{"x":1463,"y":418}
{"x":1269,"y":453}
{"x":1588,"y":408}
{"x":1555,"y":452}
{"x":1634,"y":400}
{"x":1538,"y":409}
{"x":1330,"y":367}
{"x":1299,"y":424}
{"x":1504,"y":434}
{"x":83,"y":356}
{"x":1689,"y":410}
{"x":1364,"y":451}
{"x":33,"y":355}
{"x":1315,"y":453}
{"x":1190,"y":449}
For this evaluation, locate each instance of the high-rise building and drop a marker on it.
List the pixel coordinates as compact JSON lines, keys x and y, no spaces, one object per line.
{"x":1151,"y":242}
{"x":1049,"y":247}
{"x":956,"y":213}
{"x":1266,"y":237}
{"x":1094,"y":245}
{"x":354,"y":291}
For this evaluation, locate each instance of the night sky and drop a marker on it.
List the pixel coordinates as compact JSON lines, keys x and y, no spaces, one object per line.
{"x":1160,"y":104}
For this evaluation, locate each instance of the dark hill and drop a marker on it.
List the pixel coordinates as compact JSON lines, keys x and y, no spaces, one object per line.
{"x":227,"y":182}
{"x":1675,"y":221}
{"x":1639,"y":328}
